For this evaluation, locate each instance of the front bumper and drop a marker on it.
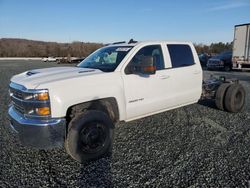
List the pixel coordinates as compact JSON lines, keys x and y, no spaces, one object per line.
{"x":215,"y":66}
{"x":38,"y":133}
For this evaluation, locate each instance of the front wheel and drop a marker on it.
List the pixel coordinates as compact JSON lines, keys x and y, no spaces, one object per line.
{"x":90,"y":136}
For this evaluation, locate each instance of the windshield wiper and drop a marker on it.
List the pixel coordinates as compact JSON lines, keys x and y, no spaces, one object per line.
{"x":87,"y":67}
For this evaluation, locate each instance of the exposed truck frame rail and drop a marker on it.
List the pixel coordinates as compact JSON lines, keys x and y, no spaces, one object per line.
{"x":228,"y":94}
{"x":211,"y":85}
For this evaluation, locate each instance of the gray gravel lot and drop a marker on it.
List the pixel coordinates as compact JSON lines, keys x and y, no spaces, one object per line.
{"x":193,"y":146}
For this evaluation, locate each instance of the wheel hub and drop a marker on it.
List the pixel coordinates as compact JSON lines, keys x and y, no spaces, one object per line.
{"x":93,"y":138}
{"x":238,"y":97}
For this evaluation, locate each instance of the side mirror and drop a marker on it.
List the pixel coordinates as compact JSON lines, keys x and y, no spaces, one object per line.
{"x":145,"y":66}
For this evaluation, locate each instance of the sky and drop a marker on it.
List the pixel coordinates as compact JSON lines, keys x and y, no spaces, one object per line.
{"x":105,"y":21}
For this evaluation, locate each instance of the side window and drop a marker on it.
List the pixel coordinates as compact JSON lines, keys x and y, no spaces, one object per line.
{"x":181,"y":55}
{"x":153,"y":51}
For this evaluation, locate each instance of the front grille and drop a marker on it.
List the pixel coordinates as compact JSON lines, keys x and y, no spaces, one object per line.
{"x":213,"y":62}
{"x":23,"y":103}
{"x":18,"y":108}
{"x":16,"y":93}
{"x":16,"y":98}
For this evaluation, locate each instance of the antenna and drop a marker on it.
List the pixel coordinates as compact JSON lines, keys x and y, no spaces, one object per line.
{"x":131,"y":41}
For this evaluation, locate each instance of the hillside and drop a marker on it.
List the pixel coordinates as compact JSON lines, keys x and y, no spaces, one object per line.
{"x":11,"y":47}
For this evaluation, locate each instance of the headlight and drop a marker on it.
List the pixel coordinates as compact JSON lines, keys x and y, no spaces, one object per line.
{"x":37,"y":103}
{"x":44,"y":111}
{"x":40,"y":96}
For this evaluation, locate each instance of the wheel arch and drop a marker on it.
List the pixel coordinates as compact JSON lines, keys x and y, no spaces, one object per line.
{"x":107,"y":105}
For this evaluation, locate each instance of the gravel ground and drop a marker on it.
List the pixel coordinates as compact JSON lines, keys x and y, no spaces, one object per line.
{"x":193,"y":146}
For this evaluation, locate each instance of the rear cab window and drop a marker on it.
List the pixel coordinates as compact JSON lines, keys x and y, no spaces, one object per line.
{"x":181,"y":55}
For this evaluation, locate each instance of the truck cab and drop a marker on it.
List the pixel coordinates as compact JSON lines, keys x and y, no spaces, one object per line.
{"x":78,"y":106}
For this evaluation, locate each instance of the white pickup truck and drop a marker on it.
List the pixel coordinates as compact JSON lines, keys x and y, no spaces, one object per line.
{"x":78,"y":106}
{"x":49,"y":59}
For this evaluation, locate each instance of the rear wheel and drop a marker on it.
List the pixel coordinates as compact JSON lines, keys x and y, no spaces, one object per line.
{"x":220,"y":95}
{"x":90,"y":136}
{"x":235,"y":98}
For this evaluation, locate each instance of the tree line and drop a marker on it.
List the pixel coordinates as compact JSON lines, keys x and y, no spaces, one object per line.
{"x":214,"y":48}
{"x":32,"y":48}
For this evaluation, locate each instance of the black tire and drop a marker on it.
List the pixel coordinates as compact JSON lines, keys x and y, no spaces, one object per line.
{"x":90,"y":136}
{"x":220,"y":95}
{"x":235,"y":98}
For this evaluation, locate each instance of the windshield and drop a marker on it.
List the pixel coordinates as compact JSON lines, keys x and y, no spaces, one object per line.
{"x":106,"y":59}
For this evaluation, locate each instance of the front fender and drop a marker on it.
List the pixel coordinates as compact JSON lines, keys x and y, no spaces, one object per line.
{"x":67,"y":93}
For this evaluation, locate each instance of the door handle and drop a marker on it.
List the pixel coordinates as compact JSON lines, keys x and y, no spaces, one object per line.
{"x":164,"y":77}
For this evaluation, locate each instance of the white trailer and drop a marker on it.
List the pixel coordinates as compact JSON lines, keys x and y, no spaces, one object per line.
{"x":241,"y":47}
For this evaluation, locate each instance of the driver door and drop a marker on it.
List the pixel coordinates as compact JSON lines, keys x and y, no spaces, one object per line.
{"x":146,"y":94}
